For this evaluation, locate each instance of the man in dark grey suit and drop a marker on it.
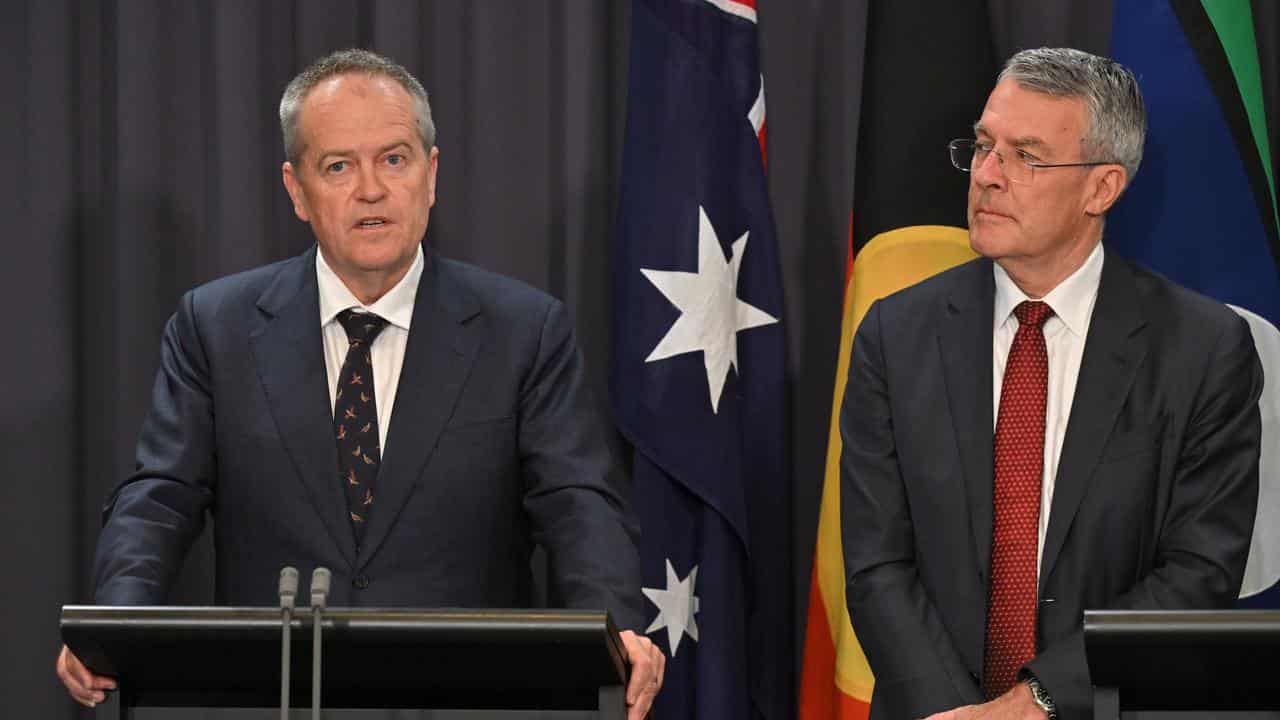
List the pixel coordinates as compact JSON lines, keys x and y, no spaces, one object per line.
{"x":1042,"y":430}
{"x":414,"y":424}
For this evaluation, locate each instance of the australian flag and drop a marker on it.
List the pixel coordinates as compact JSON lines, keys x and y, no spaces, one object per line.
{"x":699,"y":358}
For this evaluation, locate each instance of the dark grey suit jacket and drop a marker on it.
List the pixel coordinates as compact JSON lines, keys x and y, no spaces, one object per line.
{"x":493,"y":448}
{"x":1153,"y":504}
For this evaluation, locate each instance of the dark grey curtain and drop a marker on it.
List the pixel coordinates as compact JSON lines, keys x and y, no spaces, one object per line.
{"x":141,"y":157}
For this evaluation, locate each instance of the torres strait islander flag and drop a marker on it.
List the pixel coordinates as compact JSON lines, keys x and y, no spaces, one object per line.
{"x":698,"y":380}
{"x":1202,"y":209}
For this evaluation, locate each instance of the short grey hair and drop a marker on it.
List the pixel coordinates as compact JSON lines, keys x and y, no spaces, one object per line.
{"x":350,"y":62}
{"x":1116,"y":113}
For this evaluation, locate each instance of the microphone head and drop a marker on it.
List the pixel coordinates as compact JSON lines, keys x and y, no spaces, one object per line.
{"x":320,"y":578}
{"x":288,"y":585}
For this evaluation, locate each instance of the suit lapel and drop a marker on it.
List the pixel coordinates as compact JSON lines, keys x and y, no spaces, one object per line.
{"x":289,"y":353}
{"x":438,"y":358}
{"x":964,"y":339}
{"x":1113,"y":351}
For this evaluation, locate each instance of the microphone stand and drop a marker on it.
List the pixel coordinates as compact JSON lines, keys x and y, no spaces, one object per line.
{"x":319,"y":596}
{"x":288,"y":591}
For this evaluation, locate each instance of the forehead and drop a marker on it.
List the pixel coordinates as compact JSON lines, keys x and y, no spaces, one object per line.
{"x":351,"y":111}
{"x":1013,"y":112}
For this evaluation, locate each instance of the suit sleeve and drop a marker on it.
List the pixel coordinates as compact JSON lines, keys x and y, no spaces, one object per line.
{"x":576,"y":516}
{"x":1203,"y":543}
{"x":918,"y":669}
{"x":151,"y":519}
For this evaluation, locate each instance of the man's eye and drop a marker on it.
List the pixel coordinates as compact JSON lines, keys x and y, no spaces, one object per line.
{"x":395,"y":159}
{"x":336,"y":167}
{"x":1027,"y":157}
{"x":982,"y":147}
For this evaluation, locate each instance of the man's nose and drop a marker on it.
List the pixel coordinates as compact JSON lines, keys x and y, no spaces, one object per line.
{"x":989,"y":172}
{"x":370,"y":188}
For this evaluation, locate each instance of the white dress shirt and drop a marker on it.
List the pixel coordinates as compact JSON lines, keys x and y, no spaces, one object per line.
{"x":1064,"y":336}
{"x":387,"y":350}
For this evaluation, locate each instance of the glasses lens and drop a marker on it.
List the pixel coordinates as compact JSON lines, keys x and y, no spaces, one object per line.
{"x":962,"y":154}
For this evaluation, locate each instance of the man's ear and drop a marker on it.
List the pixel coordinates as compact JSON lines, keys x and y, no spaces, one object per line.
{"x":296,"y":194}
{"x":1106,"y":182}
{"x":433,"y":165}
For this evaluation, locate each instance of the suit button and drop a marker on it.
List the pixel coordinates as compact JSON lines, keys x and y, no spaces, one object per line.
{"x":360,"y":582}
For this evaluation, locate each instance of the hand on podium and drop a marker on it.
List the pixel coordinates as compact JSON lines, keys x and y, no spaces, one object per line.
{"x":85,"y":687}
{"x":647,"y":665}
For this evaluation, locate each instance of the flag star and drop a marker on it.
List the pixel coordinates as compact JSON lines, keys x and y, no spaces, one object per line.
{"x":711,"y":314}
{"x":676,"y":607}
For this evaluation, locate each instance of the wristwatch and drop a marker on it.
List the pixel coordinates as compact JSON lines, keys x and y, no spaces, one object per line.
{"x":1041,"y":696}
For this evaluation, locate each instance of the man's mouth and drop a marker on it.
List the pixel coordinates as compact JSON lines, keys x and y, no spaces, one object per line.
{"x":992,"y":213}
{"x":372,"y":223}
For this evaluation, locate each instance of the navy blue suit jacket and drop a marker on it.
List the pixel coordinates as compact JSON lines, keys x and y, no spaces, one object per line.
{"x":493,"y":448}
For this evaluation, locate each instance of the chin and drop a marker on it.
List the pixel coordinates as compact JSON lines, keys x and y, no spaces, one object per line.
{"x":990,"y":242}
{"x":381,"y":256}
{"x":981,"y":242}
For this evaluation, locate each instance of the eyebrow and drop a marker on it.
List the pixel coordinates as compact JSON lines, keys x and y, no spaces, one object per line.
{"x":347,"y":153}
{"x":1027,"y":141}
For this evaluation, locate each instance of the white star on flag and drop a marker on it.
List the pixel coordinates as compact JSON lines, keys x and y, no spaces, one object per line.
{"x":711,"y":315}
{"x":676,"y":607}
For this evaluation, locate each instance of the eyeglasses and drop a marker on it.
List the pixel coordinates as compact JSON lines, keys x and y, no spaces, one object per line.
{"x":967,"y":155}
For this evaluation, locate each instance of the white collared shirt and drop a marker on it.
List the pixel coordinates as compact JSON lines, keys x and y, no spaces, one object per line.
{"x":1064,"y":335}
{"x":387,"y":350}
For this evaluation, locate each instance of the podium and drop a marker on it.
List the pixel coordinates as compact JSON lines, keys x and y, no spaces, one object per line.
{"x":1188,"y":665}
{"x":220,"y":662}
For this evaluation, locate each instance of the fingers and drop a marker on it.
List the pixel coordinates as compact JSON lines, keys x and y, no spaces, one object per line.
{"x":83,"y":686}
{"x":648,"y":667}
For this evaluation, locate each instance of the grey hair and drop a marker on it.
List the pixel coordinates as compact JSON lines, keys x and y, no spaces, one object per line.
{"x":350,"y":62}
{"x":1116,"y":113}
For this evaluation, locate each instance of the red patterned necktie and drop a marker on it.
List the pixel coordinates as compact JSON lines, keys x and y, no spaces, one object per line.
{"x":1019,"y":465}
{"x":355,"y":418}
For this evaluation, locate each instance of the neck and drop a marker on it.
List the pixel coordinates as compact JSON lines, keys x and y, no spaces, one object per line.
{"x":1038,"y":276}
{"x":368,"y":286}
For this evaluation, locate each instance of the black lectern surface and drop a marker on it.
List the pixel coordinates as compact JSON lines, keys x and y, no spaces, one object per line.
{"x":1220,"y":663}
{"x":373,"y":658}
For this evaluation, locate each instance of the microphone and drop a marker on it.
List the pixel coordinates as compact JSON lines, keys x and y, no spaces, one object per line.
{"x":320,"y":578}
{"x":288,"y":591}
{"x":288,"y":586}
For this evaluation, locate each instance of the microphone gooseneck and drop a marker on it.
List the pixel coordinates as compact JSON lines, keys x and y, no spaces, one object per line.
{"x":320,"y":578}
{"x":288,"y":593}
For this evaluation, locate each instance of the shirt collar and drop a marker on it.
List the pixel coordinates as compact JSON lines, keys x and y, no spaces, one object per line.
{"x":1072,"y":300}
{"x":396,"y":306}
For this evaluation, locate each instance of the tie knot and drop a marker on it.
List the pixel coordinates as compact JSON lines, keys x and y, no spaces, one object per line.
{"x":1032,"y":313}
{"x":361,"y":327}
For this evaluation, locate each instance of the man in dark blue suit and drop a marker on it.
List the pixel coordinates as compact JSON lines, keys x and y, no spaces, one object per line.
{"x":414,"y":424}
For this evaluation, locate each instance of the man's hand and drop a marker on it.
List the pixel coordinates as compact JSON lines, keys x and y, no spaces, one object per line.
{"x":1017,"y":704}
{"x":85,"y":687}
{"x":647,"y":666}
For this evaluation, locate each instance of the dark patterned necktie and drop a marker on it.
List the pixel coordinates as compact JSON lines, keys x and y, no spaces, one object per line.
{"x":1019,"y":465}
{"x":355,"y":418}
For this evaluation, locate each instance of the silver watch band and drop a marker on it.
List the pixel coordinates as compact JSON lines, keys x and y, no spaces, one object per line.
{"x":1041,"y":697}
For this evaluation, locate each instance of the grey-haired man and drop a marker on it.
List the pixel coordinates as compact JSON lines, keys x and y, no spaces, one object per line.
{"x":1046,"y":429}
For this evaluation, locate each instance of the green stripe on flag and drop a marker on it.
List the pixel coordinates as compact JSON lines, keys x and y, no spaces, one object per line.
{"x":1233,"y":21}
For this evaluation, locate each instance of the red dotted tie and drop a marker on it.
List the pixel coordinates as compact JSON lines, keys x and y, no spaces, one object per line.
{"x":1019,"y":464}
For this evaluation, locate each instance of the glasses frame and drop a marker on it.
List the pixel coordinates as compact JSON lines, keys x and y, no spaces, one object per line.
{"x":969,"y":144}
